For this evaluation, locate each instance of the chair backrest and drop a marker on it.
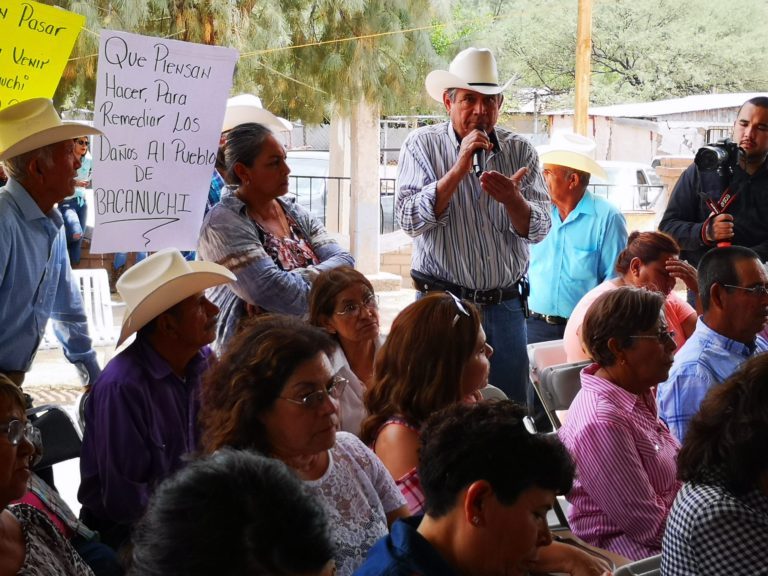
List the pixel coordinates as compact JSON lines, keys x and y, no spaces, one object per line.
{"x":97,"y":301}
{"x":559,"y":385}
{"x":60,"y":437}
{"x":543,"y":354}
{"x":647,"y":567}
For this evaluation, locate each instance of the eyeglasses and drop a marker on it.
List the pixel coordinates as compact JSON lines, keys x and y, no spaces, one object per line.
{"x":760,"y":291}
{"x":15,"y":430}
{"x":334,"y":389}
{"x":459,"y":305}
{"x":82,"y":142}
{"x":370,"y":303}
{"x":662,"y":336}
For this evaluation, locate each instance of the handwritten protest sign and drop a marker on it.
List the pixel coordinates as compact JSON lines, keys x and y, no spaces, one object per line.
{"x":161,"y":105}
{"x":35,"y":42}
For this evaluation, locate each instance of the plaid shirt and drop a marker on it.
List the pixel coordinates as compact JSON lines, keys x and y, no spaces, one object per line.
{"x":711,"y":530}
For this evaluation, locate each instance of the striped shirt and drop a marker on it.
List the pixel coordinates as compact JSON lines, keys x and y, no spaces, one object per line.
{"x":472,"y":243}
{"x":626,"y":474}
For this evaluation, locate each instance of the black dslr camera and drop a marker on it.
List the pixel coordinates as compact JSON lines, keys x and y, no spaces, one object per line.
{"x":719,"y":157}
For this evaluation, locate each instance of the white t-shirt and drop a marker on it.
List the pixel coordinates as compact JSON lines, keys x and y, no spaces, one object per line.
{"x":357,"y":492}
{"x":351,"y":407}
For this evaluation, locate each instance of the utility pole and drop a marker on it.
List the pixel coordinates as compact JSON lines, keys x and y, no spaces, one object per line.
{"x":583,"y":66}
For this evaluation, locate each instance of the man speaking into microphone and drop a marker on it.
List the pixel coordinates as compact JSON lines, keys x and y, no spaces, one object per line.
{"x":734,"y":210}
{"x":473,"y":198}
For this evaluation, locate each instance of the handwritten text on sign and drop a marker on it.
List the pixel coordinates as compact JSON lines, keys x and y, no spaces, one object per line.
{"x":35,"y":42}
{"x":161,"y":105}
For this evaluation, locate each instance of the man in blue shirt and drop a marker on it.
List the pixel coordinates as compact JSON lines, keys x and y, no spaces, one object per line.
{"x":586,"y":237}
{"x":733,"y":286}
{"x":36,"y":282}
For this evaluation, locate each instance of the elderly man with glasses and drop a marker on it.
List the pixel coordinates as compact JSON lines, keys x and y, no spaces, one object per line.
{"x":734,"y":296}
{"x":472,"y":197}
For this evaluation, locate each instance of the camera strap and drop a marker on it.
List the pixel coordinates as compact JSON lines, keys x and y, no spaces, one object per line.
{"x":722,"y":205}
{"x":719,"y":207}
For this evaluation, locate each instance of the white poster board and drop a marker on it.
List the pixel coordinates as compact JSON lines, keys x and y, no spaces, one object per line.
{"x":160,"y":104}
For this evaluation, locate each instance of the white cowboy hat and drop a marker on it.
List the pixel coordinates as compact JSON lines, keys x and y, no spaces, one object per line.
{"x":247,"y":108}
{"x":161,"y":281}
{"x":573,"y":151}
{"x":471,"y":69}
{"x":34,"y":123}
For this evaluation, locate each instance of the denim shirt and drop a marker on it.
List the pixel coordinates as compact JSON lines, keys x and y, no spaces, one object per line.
{"x":36,"y":284}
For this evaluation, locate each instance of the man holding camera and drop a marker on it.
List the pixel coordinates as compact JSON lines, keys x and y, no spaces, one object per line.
{"x":726,"y":203}
{"x":472,"y":196}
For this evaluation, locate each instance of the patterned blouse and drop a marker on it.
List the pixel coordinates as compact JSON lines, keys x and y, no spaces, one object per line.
{"x":46,"y":550}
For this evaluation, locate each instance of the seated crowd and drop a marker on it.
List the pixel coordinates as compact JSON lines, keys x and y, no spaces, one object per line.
{"x":232,"y":436}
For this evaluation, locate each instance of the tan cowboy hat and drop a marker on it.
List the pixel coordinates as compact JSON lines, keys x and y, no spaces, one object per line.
{"x":471,"y":69}
{"x":34,"y":123}
{"x":161,"y":281}
{"x":573,"y":151}
{"x":247,"y":108}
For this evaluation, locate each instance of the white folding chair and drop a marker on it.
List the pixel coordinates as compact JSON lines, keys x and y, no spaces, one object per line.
{"x":647,"y":567}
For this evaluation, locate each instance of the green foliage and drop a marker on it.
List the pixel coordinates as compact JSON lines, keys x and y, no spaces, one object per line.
{"x":641,"y":50}
{"x":304,"y":58}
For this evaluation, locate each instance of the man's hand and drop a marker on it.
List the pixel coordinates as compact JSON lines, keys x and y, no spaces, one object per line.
{"x":475,"y":140}
{"x":561,"y":557}
{"x":503,"y":189}
{"x":681,"y":269}
{"x":720,"y":228}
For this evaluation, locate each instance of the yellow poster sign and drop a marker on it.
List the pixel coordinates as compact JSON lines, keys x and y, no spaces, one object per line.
{"x":35,"y":43}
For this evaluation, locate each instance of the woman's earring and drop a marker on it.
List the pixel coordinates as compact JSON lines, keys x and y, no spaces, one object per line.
{"x":475,"y":520}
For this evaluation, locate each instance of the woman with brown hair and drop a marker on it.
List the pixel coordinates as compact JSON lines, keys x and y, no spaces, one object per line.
{"x":274,"y":391}
{"x":625,"y":455}
{"x":650,"y":261}
{"x":342,"y":302}
{"x":719,"y":521}
{"x":435,"y":355}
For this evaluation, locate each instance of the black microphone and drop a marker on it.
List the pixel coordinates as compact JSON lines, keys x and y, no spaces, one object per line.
{"x":478,"y":159}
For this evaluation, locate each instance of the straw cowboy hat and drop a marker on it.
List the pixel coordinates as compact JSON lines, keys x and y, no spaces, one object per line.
{"x":247,"y":108}
{"x":34,"y":123}
{"x":573,"y":151}
{"x":161,"y":281}
{"x":471,"y":69}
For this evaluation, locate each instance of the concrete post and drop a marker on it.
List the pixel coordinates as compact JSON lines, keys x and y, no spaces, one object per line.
{"x":365,"y":215}
{"x":338,"y":200}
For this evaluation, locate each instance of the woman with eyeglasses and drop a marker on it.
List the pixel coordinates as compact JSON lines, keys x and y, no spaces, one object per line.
{"x":29,"y":542}
{"x":342,"y":302}
{"x":650,"y":261}
{"x":274,"y":391}
{"x":626,"y":475}
{"x":435,"y":355}
{"x":74,"y":209}
{"x":274,"y":246}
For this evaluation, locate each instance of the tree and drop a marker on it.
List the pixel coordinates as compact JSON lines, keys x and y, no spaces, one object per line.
{"x":646,"y":50}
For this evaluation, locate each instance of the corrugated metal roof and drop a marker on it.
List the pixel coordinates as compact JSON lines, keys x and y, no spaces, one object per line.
{"x":660,"y":108}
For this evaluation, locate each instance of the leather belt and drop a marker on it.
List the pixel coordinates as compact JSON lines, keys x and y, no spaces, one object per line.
{"x":424,"y":283}
{"x":553,"y":320}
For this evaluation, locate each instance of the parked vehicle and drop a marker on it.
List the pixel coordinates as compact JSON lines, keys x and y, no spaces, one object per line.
{"x":631,"y":186}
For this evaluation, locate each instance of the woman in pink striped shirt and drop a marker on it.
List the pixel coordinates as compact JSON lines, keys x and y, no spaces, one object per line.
{"x":625,"y":455}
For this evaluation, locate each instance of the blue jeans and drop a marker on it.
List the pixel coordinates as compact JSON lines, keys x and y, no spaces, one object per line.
{"x":122,"y":257}
{"x":74,"y":226}
{"x":504,"y":326}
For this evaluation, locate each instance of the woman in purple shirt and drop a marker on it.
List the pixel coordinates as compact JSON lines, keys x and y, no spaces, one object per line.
{"x":625,"y":455}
